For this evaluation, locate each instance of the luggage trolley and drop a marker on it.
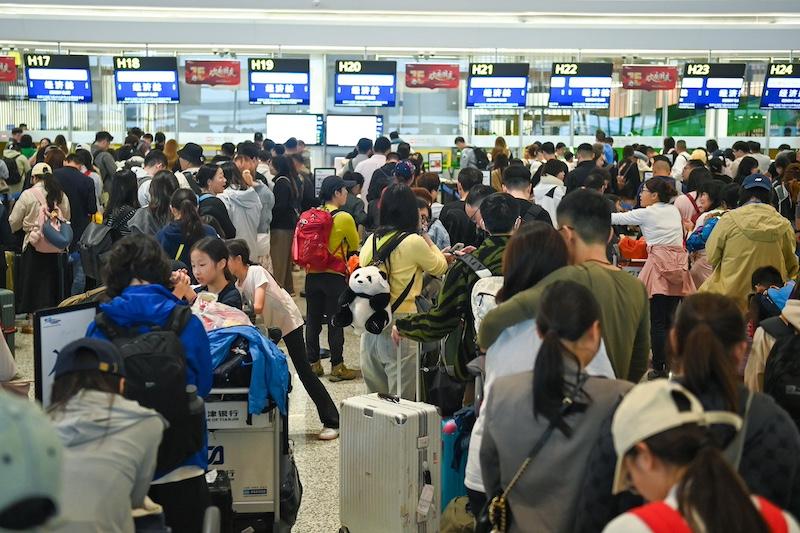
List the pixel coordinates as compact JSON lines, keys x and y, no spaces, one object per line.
{"x":248,"y":448}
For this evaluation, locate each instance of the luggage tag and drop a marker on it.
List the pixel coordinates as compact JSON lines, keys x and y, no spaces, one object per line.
{"x":425,"y":500}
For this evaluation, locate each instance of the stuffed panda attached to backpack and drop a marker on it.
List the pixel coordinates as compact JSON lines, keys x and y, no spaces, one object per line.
{"x":365,"y":303}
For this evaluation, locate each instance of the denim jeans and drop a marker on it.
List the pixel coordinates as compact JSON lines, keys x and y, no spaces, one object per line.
{"x":78,"y":275}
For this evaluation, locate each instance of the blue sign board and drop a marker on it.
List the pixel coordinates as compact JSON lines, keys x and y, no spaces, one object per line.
{"x":146,"y":79}
{"x":497,"y":85}
{"x":782,"y":86}
{"x":278,"y":81}
{"x":58,"y":78}
{"x":580,"y":85}
{"x":711,"y":85}
{"x":365,"y":83}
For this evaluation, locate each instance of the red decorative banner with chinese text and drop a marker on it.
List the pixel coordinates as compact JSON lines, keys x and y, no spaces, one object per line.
{"x":8,"y":69}
{"x":432,"y":76}
{"x":649,"y":77}
{"x":213,"y":72}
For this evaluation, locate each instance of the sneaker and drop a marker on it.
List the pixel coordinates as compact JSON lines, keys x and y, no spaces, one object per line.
{"x":328,"y":434}
{"x":27,"y":329}
{"x":317,"y":369}
{"x":341,"y":373}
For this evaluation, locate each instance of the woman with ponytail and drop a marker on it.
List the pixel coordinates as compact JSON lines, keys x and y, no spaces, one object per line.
{"x":178,"y":237}
{"x":706,"y":344}
{"x":556,"y":411}
{"x":665,"y":451}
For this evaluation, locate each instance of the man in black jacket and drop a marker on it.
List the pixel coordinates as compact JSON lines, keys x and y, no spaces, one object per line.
{"x":586,"y":163}
{"x":458,"y":224}
{"x":80,"y":192}
{"x":517,"y":183}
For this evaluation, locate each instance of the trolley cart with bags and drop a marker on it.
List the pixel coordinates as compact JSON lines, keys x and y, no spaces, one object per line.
{"x":390,"y":464}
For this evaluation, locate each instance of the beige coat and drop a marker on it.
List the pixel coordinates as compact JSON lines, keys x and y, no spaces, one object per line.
{"x":25,"y":214}
{"x":762,"y":345}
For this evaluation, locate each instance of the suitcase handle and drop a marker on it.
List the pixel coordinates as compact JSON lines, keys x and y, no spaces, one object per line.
{"x":389,"y":397}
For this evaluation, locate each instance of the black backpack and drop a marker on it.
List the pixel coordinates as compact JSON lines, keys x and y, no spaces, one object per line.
{"x":94,"y":244}
{"x":782,"y":372}
{"x":155,"y":377}
{"x":14,"y":176}
{"x":481,"y":159}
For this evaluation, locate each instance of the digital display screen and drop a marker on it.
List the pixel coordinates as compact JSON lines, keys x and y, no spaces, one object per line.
{"x":346,"y":130}
{"x":365,"y":83}
{"x":782,"y":86}
{"x":711,"y":85}
{"x":278,"y":81}
{"x":58,"y":78}
{"x":146,"y":79}
{"x":580,"y":85}
{"x":306,"y":128}
{"x":497,"y":84}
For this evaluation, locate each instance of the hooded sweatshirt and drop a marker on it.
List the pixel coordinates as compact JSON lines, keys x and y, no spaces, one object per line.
{"x":110,"y":451}
{"x":104,"y":161}
{"x":752,"y":236}
{"x":244,"y":208}
{"x":152,"y":304}
{"x":762,"y":345}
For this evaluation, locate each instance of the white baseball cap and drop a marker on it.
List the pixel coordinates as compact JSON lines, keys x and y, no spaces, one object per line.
{"x":652,"y":408}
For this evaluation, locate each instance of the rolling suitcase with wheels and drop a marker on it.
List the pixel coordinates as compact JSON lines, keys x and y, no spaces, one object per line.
{"x":8,"y":317}
{"x":390,"y":464}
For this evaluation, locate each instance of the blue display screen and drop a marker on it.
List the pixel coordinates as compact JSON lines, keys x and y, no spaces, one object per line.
{"x":711,"y":85}
{"x":146,"y":79}
{"x":365,"y":83}
{"x":580,"y":85}
{"x":58,"y":78}
{"x":278,"y":81}
{"x":497,"y":85}
{"x":781,"y":87}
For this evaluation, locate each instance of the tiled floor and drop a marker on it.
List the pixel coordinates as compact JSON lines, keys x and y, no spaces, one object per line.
{"x":317,"y":461}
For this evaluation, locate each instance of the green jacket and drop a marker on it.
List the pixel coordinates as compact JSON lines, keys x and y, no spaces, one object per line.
{"x":624,"y":314}
{"x":453,"y":303}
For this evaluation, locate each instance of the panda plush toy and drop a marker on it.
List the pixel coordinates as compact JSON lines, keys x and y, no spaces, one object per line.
{"x":365,"y":303}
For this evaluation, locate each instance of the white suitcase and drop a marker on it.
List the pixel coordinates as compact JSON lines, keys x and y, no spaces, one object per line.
{"x":390,"y":465}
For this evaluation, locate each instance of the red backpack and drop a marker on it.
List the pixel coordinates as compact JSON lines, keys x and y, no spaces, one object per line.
{"x":310,"y":244}
{"x":661,"y":518}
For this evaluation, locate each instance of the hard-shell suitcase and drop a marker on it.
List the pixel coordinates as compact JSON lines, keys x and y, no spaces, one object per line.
{"x":390,"y":465}
{"x":8,"y":317}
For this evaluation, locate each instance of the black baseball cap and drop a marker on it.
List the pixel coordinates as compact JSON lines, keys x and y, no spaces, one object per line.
{"x":89,"y":354}
{"x":331,"y":184}
{"x":192,"y":152}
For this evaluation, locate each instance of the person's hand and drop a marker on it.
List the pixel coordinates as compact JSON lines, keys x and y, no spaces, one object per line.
{"x":450,"y":258}
{"x":466,"y":250}
{"x":181,"y":283}
{"x":248,"y":178}
{"x":395,"y":336}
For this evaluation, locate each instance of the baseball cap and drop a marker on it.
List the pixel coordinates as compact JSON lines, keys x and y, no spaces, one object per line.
{"x":652,"y":408}
{"x":89,"y":354}
{"x":31,"y":467}
{"x":331,"y":184}
{"x":404,"y":169}
{"x":699,"y":155}
{"x":40,"y":169}
{"x":192,"y":152}
{"x":247,"y":149}
{"x":757,"y":181}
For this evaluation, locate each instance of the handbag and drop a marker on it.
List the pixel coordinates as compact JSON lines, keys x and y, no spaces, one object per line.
{"x":441,"y":390}
{"x":494,"y":516}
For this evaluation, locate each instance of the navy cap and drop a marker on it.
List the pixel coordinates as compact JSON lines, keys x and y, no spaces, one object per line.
{"x":404,"y":169}
{"x":757,"y":181}
{"x":89,"y":354}
{"x":331,"y":184}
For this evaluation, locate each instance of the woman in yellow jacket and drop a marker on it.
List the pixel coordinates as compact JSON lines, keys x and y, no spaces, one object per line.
{"x":414,"y":255}
{"x":751,"y":236}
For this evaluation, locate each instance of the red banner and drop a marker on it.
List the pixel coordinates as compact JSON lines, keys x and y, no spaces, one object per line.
{"x":649,"y":77}
{"x":213,"y":72}
{"x":8,"y":69}
{"x":432,"y":76}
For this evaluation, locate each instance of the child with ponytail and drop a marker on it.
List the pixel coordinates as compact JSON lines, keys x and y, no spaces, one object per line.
{"x":278,"y":310}
{"x":210,"y":267}
{"x":556,"y":410}
{"x":666,"y":453}
{"x":179,"y":236}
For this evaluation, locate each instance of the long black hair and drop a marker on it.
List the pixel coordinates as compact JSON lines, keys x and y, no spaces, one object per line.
{"x":284,"y":166}
{"x":185,"y":201}
{"x":239,"y":248}
{"x":566,"y":312}
{"x":665,"y":190}
{"x":54,"y":193}
{"x":216,"y":249}
{"x":711,"y":495}
{"x":123,"y":191}
{"x":162,"y":187}
{"x":398,"y":210}
{"x":534,"y":251}
{"x":234,"y":176}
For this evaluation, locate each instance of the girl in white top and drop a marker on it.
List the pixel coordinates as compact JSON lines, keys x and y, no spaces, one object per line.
{"x":666,"y":271}
{"x":664,"y":452}
{"x":266,"y":298}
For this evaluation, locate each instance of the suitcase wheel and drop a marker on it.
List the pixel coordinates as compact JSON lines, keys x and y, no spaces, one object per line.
{"x":344,"y":530}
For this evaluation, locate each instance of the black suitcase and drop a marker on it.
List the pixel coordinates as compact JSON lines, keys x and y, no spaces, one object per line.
{"x":222,"y":498}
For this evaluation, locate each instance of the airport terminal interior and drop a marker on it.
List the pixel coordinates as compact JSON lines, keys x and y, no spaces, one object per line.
{"x":336,"y":266}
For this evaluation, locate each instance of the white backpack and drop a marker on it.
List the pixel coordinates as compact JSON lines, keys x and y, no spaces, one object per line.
{"x":483,"y":297}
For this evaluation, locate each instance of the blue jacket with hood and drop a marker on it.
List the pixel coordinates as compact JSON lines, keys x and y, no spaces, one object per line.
{"x":152,"y":304}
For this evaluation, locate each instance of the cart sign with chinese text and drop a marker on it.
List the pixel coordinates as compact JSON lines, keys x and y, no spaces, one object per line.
{"x":213,"y":72}
{"x":432,"y":76}
{"x":649,"y":77}
{"x":8,"y":69}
